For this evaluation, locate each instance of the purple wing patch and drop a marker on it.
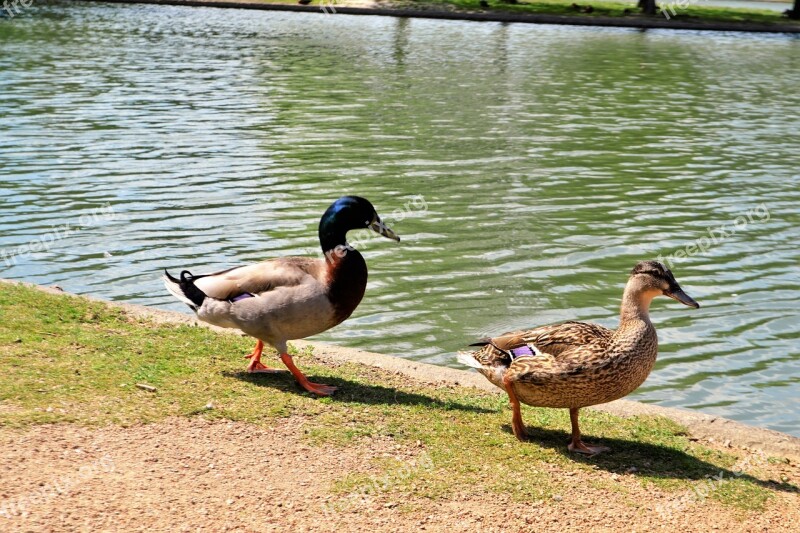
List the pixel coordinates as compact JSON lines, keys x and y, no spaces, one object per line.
{"x":523,"y":351}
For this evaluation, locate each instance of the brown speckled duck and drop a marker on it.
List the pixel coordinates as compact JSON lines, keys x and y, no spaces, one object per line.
{"x":576,"y":364}
{"x":289,"y":297}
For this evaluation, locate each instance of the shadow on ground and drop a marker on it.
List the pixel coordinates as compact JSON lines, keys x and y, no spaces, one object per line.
{"x":353,"y":391}
{"x":650,"y":460}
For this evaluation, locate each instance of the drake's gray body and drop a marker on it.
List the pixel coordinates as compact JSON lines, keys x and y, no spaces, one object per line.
{"x":288,"y":298}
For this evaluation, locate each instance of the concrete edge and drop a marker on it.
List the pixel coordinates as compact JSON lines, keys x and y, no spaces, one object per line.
{"x":615,"y":22}
{"x":700,"y":425}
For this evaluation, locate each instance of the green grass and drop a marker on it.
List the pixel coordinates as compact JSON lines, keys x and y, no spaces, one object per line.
{"x":694,"y":12}
{"x":66,"y":359}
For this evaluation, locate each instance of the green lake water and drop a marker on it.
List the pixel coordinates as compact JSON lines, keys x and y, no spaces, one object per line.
{"x":527,"y":169}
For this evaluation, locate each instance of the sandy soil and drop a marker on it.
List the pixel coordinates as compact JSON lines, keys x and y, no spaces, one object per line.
{"x":196,"y":475}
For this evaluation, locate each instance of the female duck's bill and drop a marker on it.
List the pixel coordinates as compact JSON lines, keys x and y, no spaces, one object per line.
{"x":676,"y":293}
{"x":673,"y":290}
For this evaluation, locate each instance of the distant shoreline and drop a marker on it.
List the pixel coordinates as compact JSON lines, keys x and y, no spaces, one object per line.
{"x":633,"y":21}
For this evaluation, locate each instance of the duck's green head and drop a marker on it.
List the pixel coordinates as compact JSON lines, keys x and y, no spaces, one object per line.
{"x":656,"y":277}
{"x":348,"y":213}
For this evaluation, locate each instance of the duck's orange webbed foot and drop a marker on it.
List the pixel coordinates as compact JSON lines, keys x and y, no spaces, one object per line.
{"x":576,"y":445}
{"x":319,"y":389}
{"x":256,"y":366}
{"x":580,"y":447}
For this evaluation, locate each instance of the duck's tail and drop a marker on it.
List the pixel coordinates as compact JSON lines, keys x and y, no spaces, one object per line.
{"x":468,"y":359}
{"x":184,"y":289}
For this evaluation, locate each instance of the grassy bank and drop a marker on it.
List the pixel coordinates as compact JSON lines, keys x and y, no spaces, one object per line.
{"x":69,"y":360}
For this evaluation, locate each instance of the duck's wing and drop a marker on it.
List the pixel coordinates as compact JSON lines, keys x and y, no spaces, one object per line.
{"x":568,"y":349}
{"x":555,"y":339}
{"x":262,"y":277}
{"x":559,"y":339}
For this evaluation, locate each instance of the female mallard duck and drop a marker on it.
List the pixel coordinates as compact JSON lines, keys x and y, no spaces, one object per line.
{"x":290,"y":297}
{"x":576,"y":364}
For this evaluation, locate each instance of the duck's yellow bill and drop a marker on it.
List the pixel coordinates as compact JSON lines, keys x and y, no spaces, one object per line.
{"x":379,"y":227}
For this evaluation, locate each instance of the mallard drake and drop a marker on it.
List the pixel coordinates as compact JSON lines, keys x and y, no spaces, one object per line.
{"x":577,"y":364}
{"x":291,"y":297}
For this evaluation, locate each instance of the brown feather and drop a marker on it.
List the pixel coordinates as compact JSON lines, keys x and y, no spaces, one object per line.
{"x":582,"y":364}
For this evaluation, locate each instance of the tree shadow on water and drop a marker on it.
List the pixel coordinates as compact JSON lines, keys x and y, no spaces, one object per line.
{"x":354,"y":392}
{"x":650,"y":460}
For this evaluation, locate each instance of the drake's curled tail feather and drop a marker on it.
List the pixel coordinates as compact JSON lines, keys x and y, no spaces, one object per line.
{"x":184,"y":289}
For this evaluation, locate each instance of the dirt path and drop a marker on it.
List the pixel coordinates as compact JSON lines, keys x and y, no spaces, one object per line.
{"x":196,"y":475}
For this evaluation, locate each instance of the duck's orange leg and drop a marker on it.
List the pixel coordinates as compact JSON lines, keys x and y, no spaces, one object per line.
{"x":516,"y":414}
{"x":256,"y":366}
{"x":576,"y":445}
{"x":317,"y":388}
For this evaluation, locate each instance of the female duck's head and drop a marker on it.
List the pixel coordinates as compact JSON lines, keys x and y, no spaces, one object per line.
{"x":348,"y":213}
{"x":651,"y":278}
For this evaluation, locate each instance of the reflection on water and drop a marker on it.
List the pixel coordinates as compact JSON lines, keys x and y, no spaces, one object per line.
{"x":550,"y":160}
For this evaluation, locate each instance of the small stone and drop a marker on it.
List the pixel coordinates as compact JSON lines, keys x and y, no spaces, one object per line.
{"x":557,"y":497}
{"x":727,"y":443}
{"x":229,"y":502}
{"x":148,"y":388}
{"x":631,"y":470}
{"x":209,"y":406}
